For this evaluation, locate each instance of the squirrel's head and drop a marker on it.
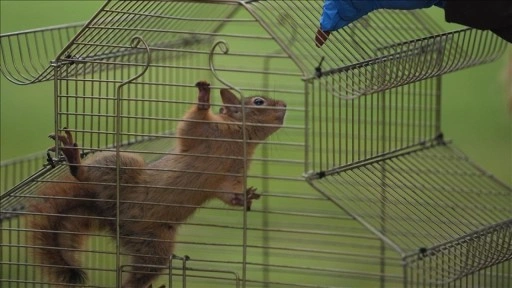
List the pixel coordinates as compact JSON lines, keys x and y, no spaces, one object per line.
{"x":263,"y":115}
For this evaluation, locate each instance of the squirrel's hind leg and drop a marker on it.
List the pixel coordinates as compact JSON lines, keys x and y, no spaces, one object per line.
{"x":149,"y":256}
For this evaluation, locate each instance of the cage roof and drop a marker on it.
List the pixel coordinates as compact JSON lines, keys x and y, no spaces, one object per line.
{"x":368,"y":55}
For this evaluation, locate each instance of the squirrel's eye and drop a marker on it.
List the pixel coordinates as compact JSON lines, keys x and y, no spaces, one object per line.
{"x":258,"y":101}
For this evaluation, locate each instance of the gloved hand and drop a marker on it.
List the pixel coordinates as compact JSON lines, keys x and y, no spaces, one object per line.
{"x":339,"y":13}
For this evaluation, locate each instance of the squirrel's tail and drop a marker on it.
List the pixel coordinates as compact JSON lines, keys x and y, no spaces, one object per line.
{"x":57,"y":225}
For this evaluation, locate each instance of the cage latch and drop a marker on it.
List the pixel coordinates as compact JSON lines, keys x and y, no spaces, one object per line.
{"x":423,"y":251}
{"x":439,"y":139}
{"x":72,"y":58}
{"x":50,"y":160}
{"x":318,"y":69}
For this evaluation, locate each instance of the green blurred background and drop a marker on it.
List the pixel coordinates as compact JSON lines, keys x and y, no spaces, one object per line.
{"x":475,"y":113}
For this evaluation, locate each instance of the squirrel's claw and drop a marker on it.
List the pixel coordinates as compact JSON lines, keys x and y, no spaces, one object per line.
{"x":66,"y":140}
{"x":69,"y":148}
{"x":250,"y":194}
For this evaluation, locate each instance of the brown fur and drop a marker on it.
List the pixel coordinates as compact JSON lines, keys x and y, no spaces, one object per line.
{"x":154,"y":198}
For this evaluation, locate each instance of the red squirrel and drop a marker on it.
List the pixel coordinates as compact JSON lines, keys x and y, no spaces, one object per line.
{"x":155,"y":198}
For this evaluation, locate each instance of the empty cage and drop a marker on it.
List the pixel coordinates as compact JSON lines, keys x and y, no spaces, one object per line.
{"x":359,"y":187}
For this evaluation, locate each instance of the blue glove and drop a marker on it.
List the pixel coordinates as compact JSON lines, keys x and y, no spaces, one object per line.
{"x":339,"y":13}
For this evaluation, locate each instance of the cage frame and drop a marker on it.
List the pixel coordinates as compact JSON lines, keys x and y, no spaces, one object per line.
{"x":310,"y":75}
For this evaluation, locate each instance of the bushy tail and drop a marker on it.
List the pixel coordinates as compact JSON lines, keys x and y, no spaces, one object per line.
{"x":56,"y":227}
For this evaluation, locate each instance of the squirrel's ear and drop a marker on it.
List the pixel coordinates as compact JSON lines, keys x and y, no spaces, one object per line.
{"x":230,"y":99}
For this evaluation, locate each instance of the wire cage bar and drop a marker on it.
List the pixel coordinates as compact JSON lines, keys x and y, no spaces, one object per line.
{"x":26,"y":55}
{"x":359,"y":193}
{"x":15,"y":170}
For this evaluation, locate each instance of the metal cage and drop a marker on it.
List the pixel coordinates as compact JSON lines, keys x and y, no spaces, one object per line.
{"x":360,"y":188}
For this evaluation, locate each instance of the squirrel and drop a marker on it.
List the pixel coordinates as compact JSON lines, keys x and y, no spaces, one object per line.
{"x":155,"y":198}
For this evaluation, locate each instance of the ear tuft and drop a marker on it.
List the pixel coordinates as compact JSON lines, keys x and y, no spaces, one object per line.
{"x":231,"y":102}
{"x":228,"y":97}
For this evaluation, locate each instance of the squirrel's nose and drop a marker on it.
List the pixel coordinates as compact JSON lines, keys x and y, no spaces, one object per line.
{"x":281,"y":104}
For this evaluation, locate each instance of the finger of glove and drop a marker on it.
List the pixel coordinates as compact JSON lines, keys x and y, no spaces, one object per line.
{"x":337,"y":14}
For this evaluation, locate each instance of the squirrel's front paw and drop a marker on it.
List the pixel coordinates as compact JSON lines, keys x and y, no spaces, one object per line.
{"x":203,"y":97}
{"x":250,"y":194}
